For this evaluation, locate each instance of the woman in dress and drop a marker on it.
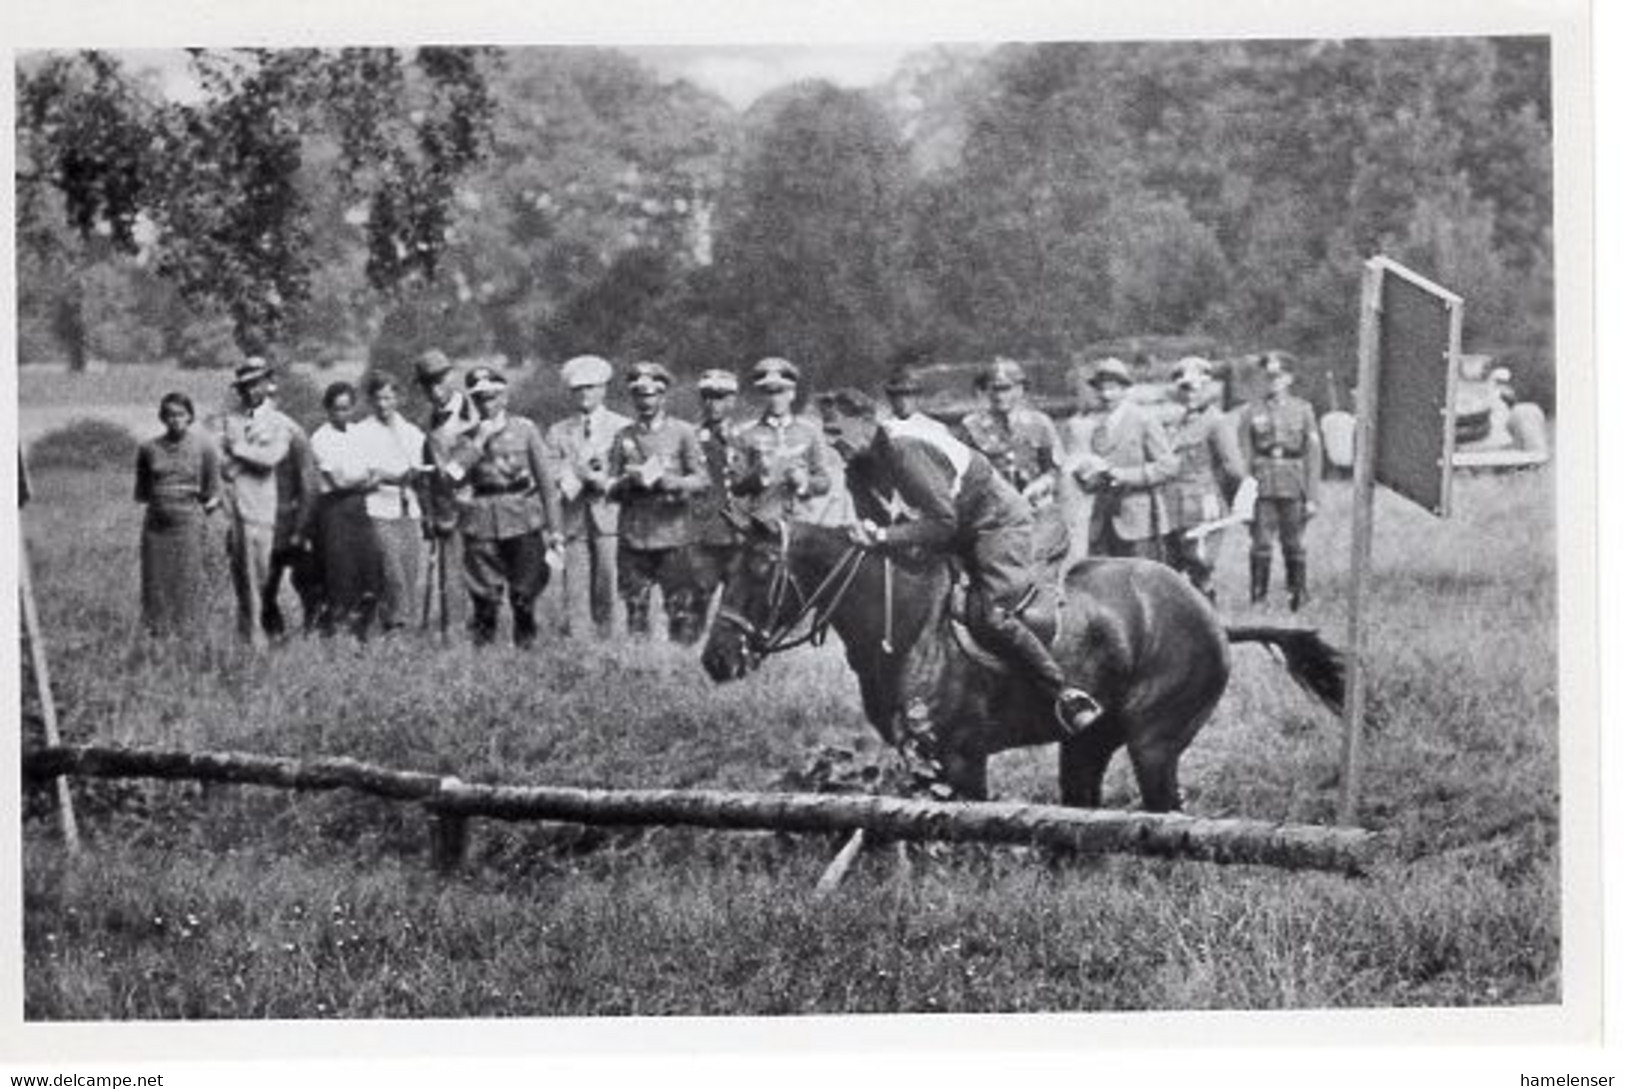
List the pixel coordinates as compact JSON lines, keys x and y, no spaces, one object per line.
{"x":177,"y":477}
{"x":346,"y":542}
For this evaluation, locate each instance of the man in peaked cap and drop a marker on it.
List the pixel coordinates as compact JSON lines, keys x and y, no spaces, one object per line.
{"x":511,"y":519}
{"x":714,"y":536}
{"x":655,"y":469}
{"x":1209,"y":465}
{"x":254,"y":439}
{"x":785,"y":459}
{"x":1280,"y":443}
{"x":1127,"y":460}
{"x":580,"y":445}
{"x":1021,"y":442}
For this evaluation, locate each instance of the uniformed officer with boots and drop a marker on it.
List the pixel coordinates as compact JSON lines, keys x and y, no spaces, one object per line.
{"x":1210,"y":466}
{"x":1281,"y":447}
{"x":510,"y":520}
{"x":655,"y":469}
{"x":714,"y":537}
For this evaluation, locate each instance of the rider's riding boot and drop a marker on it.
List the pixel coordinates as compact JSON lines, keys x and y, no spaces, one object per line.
{"x":1296,"y":582}
{"x":1261,"y":578}
{"x":1075,"y":709}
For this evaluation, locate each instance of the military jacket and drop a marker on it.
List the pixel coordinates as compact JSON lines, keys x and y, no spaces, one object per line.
{"x":719,"y":443}
{"x":1209,"y":454}
{"x":771,"y":448}
{"x":510,"y":487}
{"x":1021,"y":446}
{"x":1280,"y":444}
{"x":654,"y":470}
{"x":580,"y":447}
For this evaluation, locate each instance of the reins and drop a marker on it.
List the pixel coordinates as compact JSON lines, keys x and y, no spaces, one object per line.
{"x":820,"y":605}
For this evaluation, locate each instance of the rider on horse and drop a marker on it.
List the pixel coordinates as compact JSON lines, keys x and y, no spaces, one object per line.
{"x":939,"y":495}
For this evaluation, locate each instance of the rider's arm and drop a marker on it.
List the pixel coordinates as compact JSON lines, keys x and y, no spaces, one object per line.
{"x":925,"y":484}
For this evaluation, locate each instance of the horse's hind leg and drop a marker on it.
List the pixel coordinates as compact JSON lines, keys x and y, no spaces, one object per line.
{"x":1084,"y":759}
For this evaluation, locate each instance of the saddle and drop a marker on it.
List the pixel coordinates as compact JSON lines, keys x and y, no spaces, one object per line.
{"x":1040,"y":610}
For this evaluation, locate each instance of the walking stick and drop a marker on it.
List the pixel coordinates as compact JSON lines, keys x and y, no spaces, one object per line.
{"x":428,"y":582}
{"x":440,"y":577}
{"x":42,"y":680}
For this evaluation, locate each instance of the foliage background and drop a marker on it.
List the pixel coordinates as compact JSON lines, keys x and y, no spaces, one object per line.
{"x":1029,"y":200}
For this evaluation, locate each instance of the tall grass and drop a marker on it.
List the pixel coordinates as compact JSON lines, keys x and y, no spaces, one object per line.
{"x":229,"y":902}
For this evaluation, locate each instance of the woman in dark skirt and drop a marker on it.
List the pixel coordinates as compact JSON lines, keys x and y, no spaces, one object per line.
{"x":346,"y":541}
{"x":177,"y":477}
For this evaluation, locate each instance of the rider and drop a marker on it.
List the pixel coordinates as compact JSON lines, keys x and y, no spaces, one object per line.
{"x":942,"y":496}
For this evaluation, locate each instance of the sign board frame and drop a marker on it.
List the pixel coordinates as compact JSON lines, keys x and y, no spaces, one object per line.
{"x":1413,"y":468}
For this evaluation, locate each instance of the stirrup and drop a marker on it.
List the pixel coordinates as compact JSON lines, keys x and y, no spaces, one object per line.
{"x":1076,"y":710}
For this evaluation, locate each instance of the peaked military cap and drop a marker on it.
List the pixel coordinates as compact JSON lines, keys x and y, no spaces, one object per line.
{"x":648,"y":375}
{"x":1111,"y":370}
{"x":485,"y":380}
{"x":774,"y":373}
{"x":718,"y":381}
{"x":1001,"y":374}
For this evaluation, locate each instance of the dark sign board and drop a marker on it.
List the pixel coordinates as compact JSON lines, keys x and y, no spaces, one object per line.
{"x":1418,"y":343}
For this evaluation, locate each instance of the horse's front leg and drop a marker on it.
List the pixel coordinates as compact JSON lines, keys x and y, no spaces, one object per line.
{"x":939,"y":764}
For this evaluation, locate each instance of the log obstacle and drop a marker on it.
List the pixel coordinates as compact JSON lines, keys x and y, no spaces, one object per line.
{"x":451,"y":803}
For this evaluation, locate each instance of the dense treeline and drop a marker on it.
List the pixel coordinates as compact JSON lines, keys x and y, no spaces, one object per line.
{"x":1031,"y":200}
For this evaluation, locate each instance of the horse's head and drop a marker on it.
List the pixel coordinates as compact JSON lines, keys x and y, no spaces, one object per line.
{"x":755,"y":598}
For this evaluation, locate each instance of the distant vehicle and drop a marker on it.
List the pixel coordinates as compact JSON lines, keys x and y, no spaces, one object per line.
{"x":1494,"y":430}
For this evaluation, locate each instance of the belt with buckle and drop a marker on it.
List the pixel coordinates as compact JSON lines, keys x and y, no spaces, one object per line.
{"x":517,"y":488}
{"x":1281,"y":452}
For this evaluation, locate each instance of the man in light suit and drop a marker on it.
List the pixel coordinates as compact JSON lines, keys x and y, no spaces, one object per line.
{"x":580,"y":447}
{"x":1128,"y":460}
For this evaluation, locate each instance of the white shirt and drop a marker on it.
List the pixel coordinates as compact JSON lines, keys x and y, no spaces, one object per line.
{"x":341,"y":456}
{"x":392,"y":449}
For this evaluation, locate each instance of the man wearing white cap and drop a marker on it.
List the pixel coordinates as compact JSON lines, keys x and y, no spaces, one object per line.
{"x":580,"y":446}
{"x":254,"y":439}
{"x":1021,"y":442}
{"x":512,"y":517}
{"x":1209,"y":463}
{"x":714,"y":536}
{"x":785,"y":459}
{"x":655,"y":469}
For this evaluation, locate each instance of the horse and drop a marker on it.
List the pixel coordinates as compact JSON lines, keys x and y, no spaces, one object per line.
{"x":1133,"y":632}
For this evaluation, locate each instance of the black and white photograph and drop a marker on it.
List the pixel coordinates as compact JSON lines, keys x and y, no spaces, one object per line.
{"x":644,"y":533}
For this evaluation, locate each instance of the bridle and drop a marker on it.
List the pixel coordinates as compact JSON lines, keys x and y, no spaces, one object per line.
{"x":818,"y":606}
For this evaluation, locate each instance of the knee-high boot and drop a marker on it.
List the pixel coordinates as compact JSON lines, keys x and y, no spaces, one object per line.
{"x":1297,"y":582}
{"x":1261,"y":578}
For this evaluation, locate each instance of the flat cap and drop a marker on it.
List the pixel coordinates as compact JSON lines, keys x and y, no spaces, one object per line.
{"x":251,"y":371}
{"x":774,"y":373}
{"x":586,"y":370}
{"x":718,"y":381}
{"x":1111,"y":370}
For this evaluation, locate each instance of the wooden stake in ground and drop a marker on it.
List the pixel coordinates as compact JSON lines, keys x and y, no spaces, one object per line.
{"x":839,"y":866}
{"x":42,"y":681}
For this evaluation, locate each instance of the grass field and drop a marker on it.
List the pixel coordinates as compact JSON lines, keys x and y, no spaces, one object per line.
{"x":239,"y":902}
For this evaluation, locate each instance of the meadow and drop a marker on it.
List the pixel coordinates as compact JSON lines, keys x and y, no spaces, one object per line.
{"x":231,"y":902}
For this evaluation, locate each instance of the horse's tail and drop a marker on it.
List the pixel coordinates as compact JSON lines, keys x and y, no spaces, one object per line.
{"x":1315,"y":664}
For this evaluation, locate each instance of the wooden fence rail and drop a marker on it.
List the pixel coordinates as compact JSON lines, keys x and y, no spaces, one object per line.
{"x":452,"y":803}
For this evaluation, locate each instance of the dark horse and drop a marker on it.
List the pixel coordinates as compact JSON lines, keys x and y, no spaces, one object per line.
{"x":1133,"y":632}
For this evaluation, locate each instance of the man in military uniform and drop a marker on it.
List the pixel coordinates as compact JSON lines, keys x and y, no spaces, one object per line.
{"x":655,"y":469}
{"x":714,"y":536}
{"x":784,"y":458}
{"x":511,"y":517}
{"x":1127,"y":460}
{"x":580,"y":447}
{"x":1021,"y":442}
{"x":254,"y":439}
{"x":1209,"y":464}
{"x":1280,"y":445}
{"x":926,"y":490}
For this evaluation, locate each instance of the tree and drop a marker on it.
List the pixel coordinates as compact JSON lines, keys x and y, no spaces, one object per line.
{"x":810,"y":257}
{"x":211,"y":187}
